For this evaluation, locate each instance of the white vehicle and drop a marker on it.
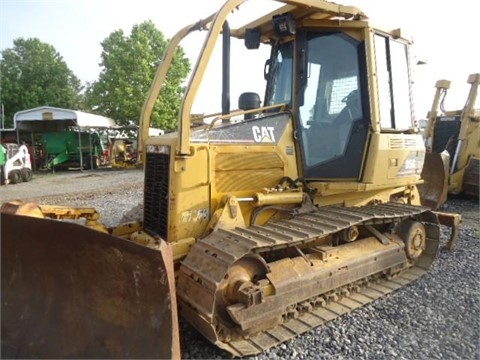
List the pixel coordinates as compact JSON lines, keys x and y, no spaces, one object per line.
{"x":15,"y":164}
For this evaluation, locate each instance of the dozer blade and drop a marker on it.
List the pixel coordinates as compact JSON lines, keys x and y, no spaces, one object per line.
{"x":72,"y":292}
{"x":435,"y":172}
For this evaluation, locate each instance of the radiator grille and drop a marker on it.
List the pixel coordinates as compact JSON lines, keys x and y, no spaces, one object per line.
{"x":155,"y":216}
{"x":446,"y":134}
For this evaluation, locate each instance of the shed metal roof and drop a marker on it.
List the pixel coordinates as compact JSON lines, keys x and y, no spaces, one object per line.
{"x":47,"y":118}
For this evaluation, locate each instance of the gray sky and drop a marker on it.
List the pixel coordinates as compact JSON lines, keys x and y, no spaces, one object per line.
{"x":441,"y":32}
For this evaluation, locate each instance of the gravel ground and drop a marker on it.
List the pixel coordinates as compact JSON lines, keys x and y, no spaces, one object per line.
{"x":436,"y":317}
{"x":111,"y":191}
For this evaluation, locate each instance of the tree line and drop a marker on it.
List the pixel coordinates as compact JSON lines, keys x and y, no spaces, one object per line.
{"x":33,"y":74}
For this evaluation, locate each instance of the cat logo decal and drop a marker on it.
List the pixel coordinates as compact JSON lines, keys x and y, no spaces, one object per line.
{"x":263,"y":134}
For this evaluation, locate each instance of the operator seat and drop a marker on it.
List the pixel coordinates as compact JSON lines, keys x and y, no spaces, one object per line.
{"x":352,"y":110}
{"x":344,"y":121}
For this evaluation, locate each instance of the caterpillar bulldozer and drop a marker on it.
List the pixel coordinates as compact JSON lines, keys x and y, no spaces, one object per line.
{"x":260,"y":223}
{"x":452,"y":141}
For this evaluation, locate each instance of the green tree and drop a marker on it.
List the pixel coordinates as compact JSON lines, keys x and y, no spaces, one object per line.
{"x":128,"y":67}
{"x":33,"y":74}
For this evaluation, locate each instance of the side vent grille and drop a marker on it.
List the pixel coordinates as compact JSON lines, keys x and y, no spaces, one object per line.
{"x":410,"y":143}
{"x":403,"y":143}
{"x":155,"y":214}
{"x":396,"y":143}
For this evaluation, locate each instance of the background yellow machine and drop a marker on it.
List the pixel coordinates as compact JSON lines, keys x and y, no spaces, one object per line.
{"x":265,"y":222}
{"x":452,"y":142}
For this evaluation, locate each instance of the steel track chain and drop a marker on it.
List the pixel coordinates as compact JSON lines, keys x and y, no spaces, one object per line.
{"x":210,"y":258}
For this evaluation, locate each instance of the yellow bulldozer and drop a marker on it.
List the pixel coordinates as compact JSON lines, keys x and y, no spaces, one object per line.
{"x":452,"y":141}
{"x":261,"y":223}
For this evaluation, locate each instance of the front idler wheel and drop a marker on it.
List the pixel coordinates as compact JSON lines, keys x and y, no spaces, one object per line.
{"x":244,"y":273}
{"x":414,"y":236}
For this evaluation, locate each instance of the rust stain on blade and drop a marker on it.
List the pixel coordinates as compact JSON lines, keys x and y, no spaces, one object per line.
{"x":72,"y":292}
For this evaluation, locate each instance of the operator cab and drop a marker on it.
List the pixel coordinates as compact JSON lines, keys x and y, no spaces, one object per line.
{"x":328,"y":93}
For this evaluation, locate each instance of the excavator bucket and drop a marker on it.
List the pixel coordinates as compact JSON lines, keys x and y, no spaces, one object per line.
{"x":72,"y":292}
{"x":435,"y":173}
